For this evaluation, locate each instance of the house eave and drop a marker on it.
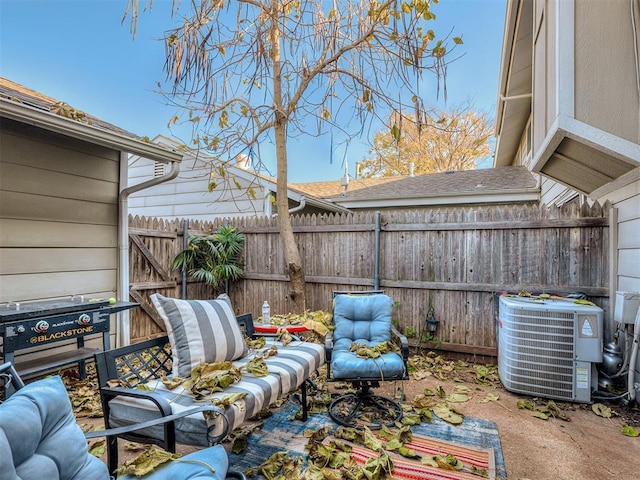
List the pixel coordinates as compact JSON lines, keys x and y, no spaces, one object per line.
{"x":515,"y":81}
{"x":316,"y":202}
{"x":88,"y":133}
{"x":587,"y":159}
{"x":464,"y":198}
{"x":330,"y":206}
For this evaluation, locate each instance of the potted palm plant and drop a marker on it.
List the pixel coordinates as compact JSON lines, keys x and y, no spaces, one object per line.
{"x":213,"y":259}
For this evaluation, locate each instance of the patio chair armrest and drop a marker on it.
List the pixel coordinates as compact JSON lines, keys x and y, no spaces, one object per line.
{"x":404,"y":343}
{"x":328,"y":345}
{"x":109,"y":393}
{"x":164,"y":419}
{"x":245,"y":321}
{"x":328,"y":351}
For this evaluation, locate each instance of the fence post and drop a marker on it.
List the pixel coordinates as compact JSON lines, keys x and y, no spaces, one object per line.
{"x":376,"y":252}
{"x":185,"y":244}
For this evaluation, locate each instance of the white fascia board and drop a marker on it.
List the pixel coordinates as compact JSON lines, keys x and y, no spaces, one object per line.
{"x":312,"y":201}
{"x":457,"y":199}
{"x":330,"y":206}
{"x":88,"y":133}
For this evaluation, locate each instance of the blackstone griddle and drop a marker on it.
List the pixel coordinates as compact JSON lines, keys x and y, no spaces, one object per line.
{"x":31,"y":324}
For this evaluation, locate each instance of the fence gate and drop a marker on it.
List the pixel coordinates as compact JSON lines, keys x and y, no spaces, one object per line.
{"x":151,"y":249}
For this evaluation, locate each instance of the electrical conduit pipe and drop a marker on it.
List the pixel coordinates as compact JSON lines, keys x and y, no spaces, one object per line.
{"x":633,"y":359}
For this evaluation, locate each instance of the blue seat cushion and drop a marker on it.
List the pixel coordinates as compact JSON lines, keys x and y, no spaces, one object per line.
{"x":210,"y":463}
{"x":346,"y":365}
{"x":39,"y":436}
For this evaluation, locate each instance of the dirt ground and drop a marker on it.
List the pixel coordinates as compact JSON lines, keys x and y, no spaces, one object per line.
{"x":583,"y":447}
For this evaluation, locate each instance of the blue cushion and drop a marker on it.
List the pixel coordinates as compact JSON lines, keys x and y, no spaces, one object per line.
{"x":365,"y":319}
{"x":210,"y":463}
{"x":39,"y":436}
{"x":361,"y":318}
{"x":346,"y":365}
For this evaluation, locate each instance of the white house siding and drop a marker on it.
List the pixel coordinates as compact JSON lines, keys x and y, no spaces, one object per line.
{"x":187,"y":196}
{"x":605,"y":77}
{"x":544,"y":71}
{"x":601,"y":78}
{"x":627,"y":202}
{"x":554,"y":193}
{"x":58,"y":217}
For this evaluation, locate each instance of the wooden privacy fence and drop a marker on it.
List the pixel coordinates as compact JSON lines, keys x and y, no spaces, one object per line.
{"x":453,"y":260}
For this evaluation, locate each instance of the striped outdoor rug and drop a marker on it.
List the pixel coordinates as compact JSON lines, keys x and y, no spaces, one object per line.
{"x":476,"y":443}
{"x":406,"y":469}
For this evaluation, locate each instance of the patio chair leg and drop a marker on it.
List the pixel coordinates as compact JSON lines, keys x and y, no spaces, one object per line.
{"x":112,"y":454}
{"x":305,"y":406}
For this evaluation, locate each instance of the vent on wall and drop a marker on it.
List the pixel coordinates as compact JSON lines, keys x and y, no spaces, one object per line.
{"x":549,"y":347}
{"x":158,"y":169}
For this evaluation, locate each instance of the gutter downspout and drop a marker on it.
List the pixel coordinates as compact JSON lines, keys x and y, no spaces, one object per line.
{"x":123,"y":333}
{"x":267,"y":209}
{"x":301,"y":205}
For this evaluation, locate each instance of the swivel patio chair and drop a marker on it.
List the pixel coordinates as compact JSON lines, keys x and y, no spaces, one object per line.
{"x":39,"y":438}
{"x":362,"y":323}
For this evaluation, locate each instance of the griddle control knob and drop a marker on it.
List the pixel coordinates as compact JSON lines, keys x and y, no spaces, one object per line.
{"x":20,"y":329}
{"x":83,"y":319}
{"x":41,"y":327}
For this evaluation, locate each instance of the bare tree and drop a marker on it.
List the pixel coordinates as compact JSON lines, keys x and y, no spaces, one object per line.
{"x":441,"y":141}
{"x":253,"y":73}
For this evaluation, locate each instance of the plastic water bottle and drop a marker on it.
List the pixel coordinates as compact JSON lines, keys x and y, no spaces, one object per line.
{"x":266,"y":313}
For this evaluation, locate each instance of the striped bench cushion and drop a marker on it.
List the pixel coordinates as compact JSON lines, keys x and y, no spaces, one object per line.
{"x":288,"y":370}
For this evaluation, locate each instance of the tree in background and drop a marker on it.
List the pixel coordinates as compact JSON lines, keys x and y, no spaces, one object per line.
{"x":441,"y":141}
{"x":252,"y":74}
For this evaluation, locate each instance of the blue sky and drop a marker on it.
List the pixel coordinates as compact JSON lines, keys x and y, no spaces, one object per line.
{"x":79,"y":52}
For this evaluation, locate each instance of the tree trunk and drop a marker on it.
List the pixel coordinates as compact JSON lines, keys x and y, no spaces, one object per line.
{"x":292,"y":258}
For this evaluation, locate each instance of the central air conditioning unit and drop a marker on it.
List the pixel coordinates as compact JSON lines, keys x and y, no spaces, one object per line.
{"x":549,"y":347}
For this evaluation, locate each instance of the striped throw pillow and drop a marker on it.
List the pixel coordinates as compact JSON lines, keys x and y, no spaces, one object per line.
{"x":200,"y":331}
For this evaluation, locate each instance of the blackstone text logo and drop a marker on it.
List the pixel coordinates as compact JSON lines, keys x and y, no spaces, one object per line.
{"x":58,"y":335}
